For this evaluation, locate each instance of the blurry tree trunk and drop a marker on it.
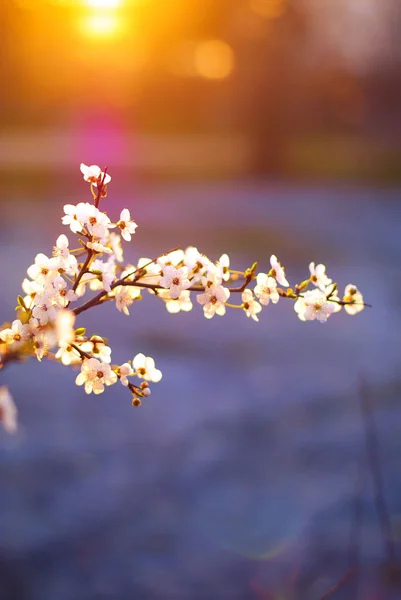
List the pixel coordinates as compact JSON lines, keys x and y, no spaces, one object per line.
{"x":267,"y":79}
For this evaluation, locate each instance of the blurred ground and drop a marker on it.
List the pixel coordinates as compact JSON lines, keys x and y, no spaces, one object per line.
{"x":308,"y":158}
{"x":237,"y":477}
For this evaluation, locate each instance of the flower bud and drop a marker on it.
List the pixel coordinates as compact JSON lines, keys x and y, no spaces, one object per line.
{"x":302,"y":286}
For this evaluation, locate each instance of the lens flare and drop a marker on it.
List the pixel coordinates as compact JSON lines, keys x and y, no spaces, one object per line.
{"x":256,"y":551}
{"x":214,"y":59}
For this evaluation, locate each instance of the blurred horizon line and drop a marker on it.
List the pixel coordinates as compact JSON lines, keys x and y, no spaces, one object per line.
{"x":336,"y":157}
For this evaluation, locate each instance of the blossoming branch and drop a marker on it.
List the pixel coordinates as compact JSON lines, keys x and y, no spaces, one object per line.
{"x":54,"y":292}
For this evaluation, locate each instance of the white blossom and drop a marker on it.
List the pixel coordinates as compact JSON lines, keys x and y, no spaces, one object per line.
{"x":213,"y":276}
{"x":318,"y":276}
{"x":16,"y":334}
{"x":94,"y":174}
{"x":67,"y":354}
{"x":144,"y":367}
{"x":8,"y":411}
{"x":62,"y":260}
{"x":99,"y":248}
{"x":76,"y":216}
{"x":213,"y":301}
{"x":175,"y":280}
{"x":126,"y":224}
{"x":70,"y":266}
{"x":224,"y":265}
{"x":125,"y":371}
{"x":31,"y":289}
{"x":176,"y":257}
{"x":95,"y":375}
{"x":353,"y":295}
{"x":125,"y":296}
{"x":300,"y":308}
{"x":114,"y":241}
{"x":96,"y":345}
{"x":88,"y":279}
{"x":43,"y":310}
{"x":44,"y":270}
{"x":266,"y":289}
{"x":331,"y":292}
{"x":152,"y":275}
{"x":196,"y":263}
{"x":250,"y":305}
{"x":85,"y":215}
{"x":41,"y":344}
{"x":174,"y":306}
{"x":129,"y":273}
{"x":96,"y":222}
{"x":60,"y":293}
{"x":317,"y":306}
{"x":61,"y":248}
{"x":105,"y":275}
{"x":277,"y":271}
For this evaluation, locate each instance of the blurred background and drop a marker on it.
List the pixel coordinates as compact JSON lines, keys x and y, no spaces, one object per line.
{"x":243,"y":126}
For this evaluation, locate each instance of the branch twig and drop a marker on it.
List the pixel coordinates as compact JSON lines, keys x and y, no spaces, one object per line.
{"x":335,"y":587}
{"x":373,"y":451}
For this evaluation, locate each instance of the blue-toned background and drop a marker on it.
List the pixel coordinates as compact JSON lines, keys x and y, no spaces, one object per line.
{"x":238,"y":474}
{"x":245,"y":475}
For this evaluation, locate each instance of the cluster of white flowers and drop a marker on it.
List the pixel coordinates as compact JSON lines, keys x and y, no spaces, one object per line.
{"x":48,"y":308}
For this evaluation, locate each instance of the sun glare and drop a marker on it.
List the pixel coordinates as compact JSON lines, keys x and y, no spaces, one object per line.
{"x":101,"y":26}
{"x":104,"y":3}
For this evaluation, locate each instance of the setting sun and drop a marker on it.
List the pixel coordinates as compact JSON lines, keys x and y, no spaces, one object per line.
{"x":101,"y":26}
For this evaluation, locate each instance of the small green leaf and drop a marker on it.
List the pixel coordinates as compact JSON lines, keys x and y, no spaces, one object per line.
{"x":21,"y":302}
